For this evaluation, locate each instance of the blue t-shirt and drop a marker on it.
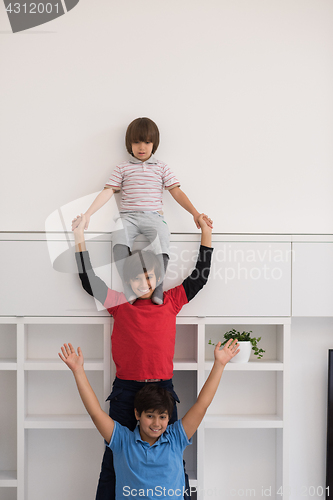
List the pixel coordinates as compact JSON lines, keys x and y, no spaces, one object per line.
{"x":146,"y":471}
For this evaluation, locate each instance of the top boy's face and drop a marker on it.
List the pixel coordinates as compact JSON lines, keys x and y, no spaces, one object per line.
{"x":142,"y":150}
{"x":143,"y":285}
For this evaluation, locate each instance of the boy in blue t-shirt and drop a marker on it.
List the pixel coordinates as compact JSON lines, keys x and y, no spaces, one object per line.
{"x":149,"y":461}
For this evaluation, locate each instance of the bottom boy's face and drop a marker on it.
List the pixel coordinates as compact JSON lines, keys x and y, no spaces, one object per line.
{"x":152,"y":425}
{"x":143,"y":285}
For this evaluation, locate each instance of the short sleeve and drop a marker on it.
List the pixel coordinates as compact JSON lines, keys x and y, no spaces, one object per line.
{"x":169,"y":179}
{"x":177,"y":297}
{"x":178,"y":434}
{"x":116,"y":438}
{"x":113,"y":300}
{"x":115,"y":180}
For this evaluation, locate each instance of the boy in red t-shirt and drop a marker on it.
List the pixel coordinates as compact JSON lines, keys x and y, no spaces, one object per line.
{"x":142,"y":325}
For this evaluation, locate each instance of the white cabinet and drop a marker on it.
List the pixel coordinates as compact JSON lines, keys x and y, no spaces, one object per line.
{"x":312,"y":279}
{"x":246,"y":278}
{"x":246,"y":426}
{"x":34,"y":288}
{"x":47,"y":428}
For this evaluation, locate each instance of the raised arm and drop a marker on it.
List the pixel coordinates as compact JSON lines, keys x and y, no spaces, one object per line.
{"x":194,"y":416}
{"x":102,"y":421}
{"x":100,"y":200}
{"x":91,"y":283}
{"x":184,"y":202}
{"x":199,"y":276}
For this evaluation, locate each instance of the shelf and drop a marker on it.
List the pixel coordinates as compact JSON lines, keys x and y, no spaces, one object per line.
{"x":270,"y":365}
{"x":58,"y":422}
{"x":243,"y":421}
{"x":8,"y":479}
{"x":8,"y":364}
{"x":183,"y":365}
{"x":52,"y":364}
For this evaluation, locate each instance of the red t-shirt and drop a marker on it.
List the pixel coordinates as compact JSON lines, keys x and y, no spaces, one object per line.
{"x":143,"y":336}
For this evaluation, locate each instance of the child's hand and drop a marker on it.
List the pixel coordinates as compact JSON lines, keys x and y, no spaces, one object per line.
{"x":198,"y":218}
{"x":77,"y":221}
{"x":80,"y":223}
{"x":224,"y":355}
{"x":204,"y":222}
{"x":73,"y":361}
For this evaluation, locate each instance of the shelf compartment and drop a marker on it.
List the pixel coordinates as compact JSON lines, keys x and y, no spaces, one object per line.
{"x":8,"y":479}
{"x":7,"y":345}
{"x":186,"y":344}
{"x":50,"y":392}
{"x":271,"y":340}
{"x":243,"y":447}
{"x":43,"y":341}
{"x":185,"y":385}
{"x":247,"y":392}
{"x":78,"y":466}
{"x":8,"y":423}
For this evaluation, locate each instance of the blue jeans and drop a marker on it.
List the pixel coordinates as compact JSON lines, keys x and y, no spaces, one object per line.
{"x":122,"y":410}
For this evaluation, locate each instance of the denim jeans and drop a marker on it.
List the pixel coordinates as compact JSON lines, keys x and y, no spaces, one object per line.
{"x":122,"y":410}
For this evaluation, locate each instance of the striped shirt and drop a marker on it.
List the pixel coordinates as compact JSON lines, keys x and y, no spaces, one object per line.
{"x":142,"y":184}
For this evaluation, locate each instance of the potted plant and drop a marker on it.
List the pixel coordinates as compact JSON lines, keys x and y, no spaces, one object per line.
{"x":246,"y":343}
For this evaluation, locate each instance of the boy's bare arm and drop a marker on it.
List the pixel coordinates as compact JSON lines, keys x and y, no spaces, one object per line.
{"x":80,"y":244}
{"x":194,"y":416}
{"x":206,"y":231}
{"x":184,"y":202}
{"x":102,"y":421}
{"x":100,"y":200}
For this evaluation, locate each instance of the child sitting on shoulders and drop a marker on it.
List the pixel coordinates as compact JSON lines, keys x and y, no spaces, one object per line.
{"x":141,"y":180}
{"x":149,"y":460}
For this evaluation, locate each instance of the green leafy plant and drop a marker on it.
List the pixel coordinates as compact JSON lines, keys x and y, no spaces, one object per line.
{"x":243,"y":337}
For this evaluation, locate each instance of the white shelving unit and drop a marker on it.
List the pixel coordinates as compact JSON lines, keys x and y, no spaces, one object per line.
{"x":249,"y":413}
{"x":44,"y":395}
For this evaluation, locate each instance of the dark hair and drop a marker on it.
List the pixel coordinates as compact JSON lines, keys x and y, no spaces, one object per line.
{"x":142,"y":129}
{"x":153,"y":397}
{"x":141,"y":262}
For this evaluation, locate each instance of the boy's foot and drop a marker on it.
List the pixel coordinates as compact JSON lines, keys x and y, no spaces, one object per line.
{"x":157,"y":296}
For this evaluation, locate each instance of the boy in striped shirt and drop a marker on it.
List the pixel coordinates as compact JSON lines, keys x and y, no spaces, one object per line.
{"x":141,"y":180}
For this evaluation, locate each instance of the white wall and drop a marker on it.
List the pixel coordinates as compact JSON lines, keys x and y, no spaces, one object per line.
{"x":241,"y":91}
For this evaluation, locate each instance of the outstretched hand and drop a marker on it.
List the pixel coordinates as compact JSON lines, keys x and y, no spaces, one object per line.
{"x":224,"y":355}
{"x":70,"y":358}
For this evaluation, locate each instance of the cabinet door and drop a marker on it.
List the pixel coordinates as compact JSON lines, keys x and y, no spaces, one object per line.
{"x":246,"y":278}
{"x":30,"y":286}
{"x":312,"y":279}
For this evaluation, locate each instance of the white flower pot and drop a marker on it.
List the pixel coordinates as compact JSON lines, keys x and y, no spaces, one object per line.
{"x":244,"y":354}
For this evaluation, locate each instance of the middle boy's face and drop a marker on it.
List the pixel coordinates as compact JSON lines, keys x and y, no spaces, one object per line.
{"x":143,"y":285}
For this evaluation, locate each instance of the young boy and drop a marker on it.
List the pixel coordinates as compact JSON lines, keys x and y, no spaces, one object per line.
{"x":148,"y":461}
{"x":144,"y":326}
{"x":141,"y":181}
